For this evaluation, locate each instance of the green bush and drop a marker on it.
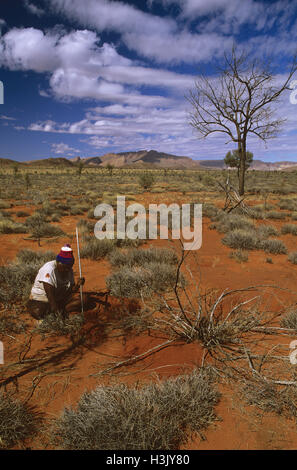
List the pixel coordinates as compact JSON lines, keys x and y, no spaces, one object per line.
{"x":146,"y":180}
{"x":156,"y":416}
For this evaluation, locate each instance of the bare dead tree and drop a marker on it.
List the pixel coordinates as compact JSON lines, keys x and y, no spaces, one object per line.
{"x":239,"y":102}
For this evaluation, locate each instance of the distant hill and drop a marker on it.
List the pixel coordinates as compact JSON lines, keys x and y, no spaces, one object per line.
{"x":142,"y":158}
{"x":6,"y":162}
{"x":50,"y":162}
{"x":146,"y":159}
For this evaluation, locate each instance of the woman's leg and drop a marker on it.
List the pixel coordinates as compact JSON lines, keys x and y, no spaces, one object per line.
{"x":37,"y":309}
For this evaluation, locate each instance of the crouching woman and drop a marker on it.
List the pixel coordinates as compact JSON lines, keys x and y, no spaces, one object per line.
{"x":54,"y":287}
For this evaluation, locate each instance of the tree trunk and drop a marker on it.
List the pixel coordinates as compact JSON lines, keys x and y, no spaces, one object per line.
{"x":242,"y":168}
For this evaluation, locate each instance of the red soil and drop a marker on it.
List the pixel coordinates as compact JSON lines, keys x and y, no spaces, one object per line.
{"x":241,"y":427}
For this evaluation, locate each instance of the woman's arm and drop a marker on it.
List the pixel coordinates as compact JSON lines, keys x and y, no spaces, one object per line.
{"x":79,"y":283}
{"x":50,"y":293}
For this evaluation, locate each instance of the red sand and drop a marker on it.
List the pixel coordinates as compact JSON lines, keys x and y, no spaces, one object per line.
{"x":241,"y":426}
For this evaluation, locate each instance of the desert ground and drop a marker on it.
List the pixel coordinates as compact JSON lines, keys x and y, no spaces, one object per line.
{"x":209,"y":333}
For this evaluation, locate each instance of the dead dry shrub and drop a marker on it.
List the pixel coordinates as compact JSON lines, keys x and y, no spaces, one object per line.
{"x":271,"y":397}
{"x":154,"y":416}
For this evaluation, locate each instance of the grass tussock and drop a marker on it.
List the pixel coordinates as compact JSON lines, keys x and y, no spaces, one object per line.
{"x":140,"y":273}
{"x":17,"y":421}
{"x":155,"y":416}
{"x":293,"y":257}
{"x":16,"y":279}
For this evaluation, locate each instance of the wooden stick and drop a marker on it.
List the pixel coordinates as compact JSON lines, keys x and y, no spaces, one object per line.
{"x":79,"y":266}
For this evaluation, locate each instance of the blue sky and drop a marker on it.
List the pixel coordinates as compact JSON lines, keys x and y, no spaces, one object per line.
{"x":96,"y":76}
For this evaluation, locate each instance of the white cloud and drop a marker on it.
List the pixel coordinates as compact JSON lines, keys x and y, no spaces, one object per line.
{"x":28,"y":49}
{"x":81,"y":68}
{"x":7,"y":118}
{"x":63,"y":149}
{"x":153,"y":37}
{"x":33,"y":9}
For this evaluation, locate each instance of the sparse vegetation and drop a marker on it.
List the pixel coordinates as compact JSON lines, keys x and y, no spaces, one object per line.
{"x":17,"y":421}
{"x":154,"y":416}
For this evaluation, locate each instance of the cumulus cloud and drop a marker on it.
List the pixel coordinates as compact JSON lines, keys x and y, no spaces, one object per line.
{"x":63,"y":149}
{"x":29,"y":49}
{"x":80,"y":67}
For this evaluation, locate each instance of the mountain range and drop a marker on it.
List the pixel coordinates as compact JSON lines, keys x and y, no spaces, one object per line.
{"x":145,"y":159}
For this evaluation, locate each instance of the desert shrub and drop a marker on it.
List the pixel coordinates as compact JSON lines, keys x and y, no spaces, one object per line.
{"x":269,"y":397}
{"x":136,"y":257}
{"x":96,"y":249}
{"x":289,"y":228}
{"x":241,"y":239}
{"x":294,"y":216}
{"x":143,"y":281}
{"x":22,"y":214}
{"x":146,"y":180}
{"x":265,"y":231}
{"x":276,"y":215}
{"x":156,"y":416}
{"x":56,"y":217}
{"x":46,"y":230}
{"x":240,"y":256}
{"x":288,"y":204}
{"x":36,"y":220}
{"x":16,"y":279}
{"x":8,"y":226}
{"x":56,"y":323}
{"x":290,"y":320}
{"x":76,"y":210}
{"x":209,"y":210}
{"x":273,"y":246}
{"x":5,"y":205}
{"x":85,"y":226}
{"x":293,"y":257}
{"x":17,"y":421}
{"x":10,"y":322}
{"x":28,"y":256}
{"x":269,"y":260}
{"x":257,"y":212}
{"x":228,"y":222}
